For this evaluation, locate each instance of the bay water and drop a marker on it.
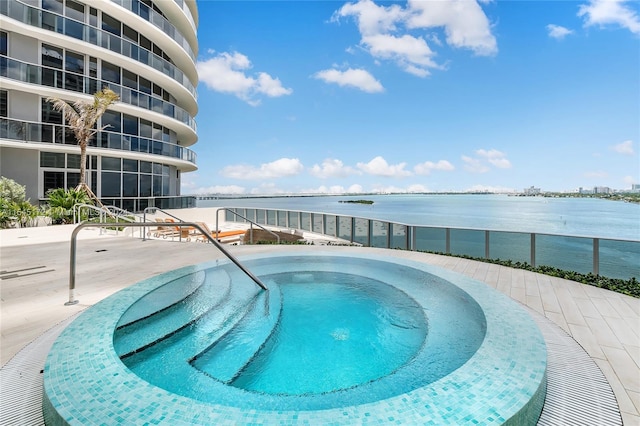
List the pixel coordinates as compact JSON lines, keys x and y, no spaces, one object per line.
{"x":590,"y":217}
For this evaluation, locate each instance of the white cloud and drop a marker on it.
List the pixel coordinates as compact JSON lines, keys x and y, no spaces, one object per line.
{"x":379,"y":167}
{"x":332,"y":168}
{"x":427,"y":167}
{"x":385,"y":30}
{"x":227,"y":73}
{"x":357,"y":78}
{"x":220,"y":189}
{"x":371,"y":18}
{"x":625,"y":148}
{"x":474,"y":165}
{"x":630,"y":180}
{"x":558,"y":32}
{"x":495,"y":157}
{"x":464,"y":22}
{"x":599,"y":174}
{"x":276,"y":169}
{"x":483,"y":159}
{"x":610,"y":12}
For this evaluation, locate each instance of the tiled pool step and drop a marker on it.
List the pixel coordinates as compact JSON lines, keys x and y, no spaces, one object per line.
{"x":168,"y":320}
{"x":163,"y":298}
{"x":226,"y":357}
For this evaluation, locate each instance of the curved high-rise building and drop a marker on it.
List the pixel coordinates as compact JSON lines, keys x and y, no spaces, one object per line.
{"x":145,"y":51}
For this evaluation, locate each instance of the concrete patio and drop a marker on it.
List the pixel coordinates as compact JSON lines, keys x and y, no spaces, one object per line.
{"x":34,"y":266}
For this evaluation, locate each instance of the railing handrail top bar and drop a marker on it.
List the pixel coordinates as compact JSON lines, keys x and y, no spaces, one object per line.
{"x":250,"y":221}
{"x":440,"y":227}
{"x":163,"y":211}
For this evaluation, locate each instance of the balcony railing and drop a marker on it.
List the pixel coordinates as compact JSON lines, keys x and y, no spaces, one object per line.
{"x":67,"y":80}
{"x":614,"y":258}
{"x":53,"y":22}
{"x":148,"y":14}
{"x":28,"y":131}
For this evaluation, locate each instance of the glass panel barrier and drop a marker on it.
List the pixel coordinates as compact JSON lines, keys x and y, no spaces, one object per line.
{"x":467,"y":242}
{"x":293,"y":220}
{"x":379,"y":234}
{"x":316,"y":219}
{"x":330,"y":223}
{"x":515,"y":246}
{"x":344,"y":227}
{"x":568,"y":253}
{"x":261,"y":217}
{"x":431,"y":239}
{"x":361,"y":232}
{"x":230,"y":217}
{"x":305,"y":221}
{"x":399,"y":236}
{"x":282,"y":218}
{"x":620,"y":259}
{"x":250,"y":214}
{"x":271,"y":217}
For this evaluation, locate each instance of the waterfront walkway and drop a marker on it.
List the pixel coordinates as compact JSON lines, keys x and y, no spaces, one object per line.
{"x":34,"y":266}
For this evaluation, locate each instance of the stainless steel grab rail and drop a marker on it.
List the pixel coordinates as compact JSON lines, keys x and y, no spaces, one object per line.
{"x":77,"y":229}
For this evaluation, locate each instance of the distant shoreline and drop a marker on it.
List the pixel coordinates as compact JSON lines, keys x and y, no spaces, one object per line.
{"x":629,"y":197}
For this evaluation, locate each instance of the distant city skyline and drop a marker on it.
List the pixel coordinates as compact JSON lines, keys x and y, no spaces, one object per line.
{"x":417,"y":96}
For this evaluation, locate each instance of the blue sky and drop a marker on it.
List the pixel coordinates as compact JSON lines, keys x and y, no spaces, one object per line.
{"x":417,"y":96}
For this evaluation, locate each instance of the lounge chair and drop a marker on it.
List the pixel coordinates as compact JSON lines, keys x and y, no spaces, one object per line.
{"x":222,"y":236}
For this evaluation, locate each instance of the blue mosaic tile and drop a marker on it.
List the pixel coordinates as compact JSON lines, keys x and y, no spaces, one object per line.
{"x":504,"y":382}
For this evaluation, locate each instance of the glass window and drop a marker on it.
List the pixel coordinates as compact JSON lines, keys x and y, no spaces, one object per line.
{"x":129,"y":33}
{"x":145,"y":42}
{"x":110,"y":24}
{"x":74,"y":62}
{"x":129,"y":79}
{"x":145,"y":185}
{"x":110,"y":184}
{"x":113,"y":121}
{"x":53,"y":5}
{"x":157,"y":186}
{"x":157,"y":169}
{"x":129,"y":184}
{"x":110,"y":72}
{"x":49,"y":115}
{"x":145,"y":166}
{"x":3,"y":103}
{"x":73,"y":161}
{"x":75,"y":10}
{"x":73,"y":180}
{"x":51,"y":56}
{"x":52,"y":159}
{"x":53,"y":180}
{"x":129,"y":165}
{"x":129,"y":124}
{"x":110,"y":163}
{"x":145,"y":128}
{"x":145,"y":85}
{"x":3,"y":43}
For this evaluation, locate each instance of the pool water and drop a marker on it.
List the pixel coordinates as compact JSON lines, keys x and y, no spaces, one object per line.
{"x":194,"y":346}
{"x":317,"y":336}
{"x":335,"y":331}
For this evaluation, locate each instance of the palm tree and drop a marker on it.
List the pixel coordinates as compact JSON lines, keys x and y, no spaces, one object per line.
{"x":82,"y":117}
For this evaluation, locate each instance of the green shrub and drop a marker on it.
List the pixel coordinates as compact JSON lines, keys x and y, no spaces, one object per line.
{"x":61,"y":202}
{"x":10,"y":190}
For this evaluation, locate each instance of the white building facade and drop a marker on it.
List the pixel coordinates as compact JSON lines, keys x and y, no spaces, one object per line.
{"x":145,"y":51}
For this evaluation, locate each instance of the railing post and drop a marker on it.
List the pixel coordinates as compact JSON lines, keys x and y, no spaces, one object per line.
{"x":389,"y":232}
{"x":596,"y":256}
{"x":533,"y":250}
{"x":486,"y":244}
{"x":447,"y":243}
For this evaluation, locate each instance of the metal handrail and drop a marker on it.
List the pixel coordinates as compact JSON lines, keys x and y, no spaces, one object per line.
{"x":74,"y":235}
{"x":250,"y":226}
